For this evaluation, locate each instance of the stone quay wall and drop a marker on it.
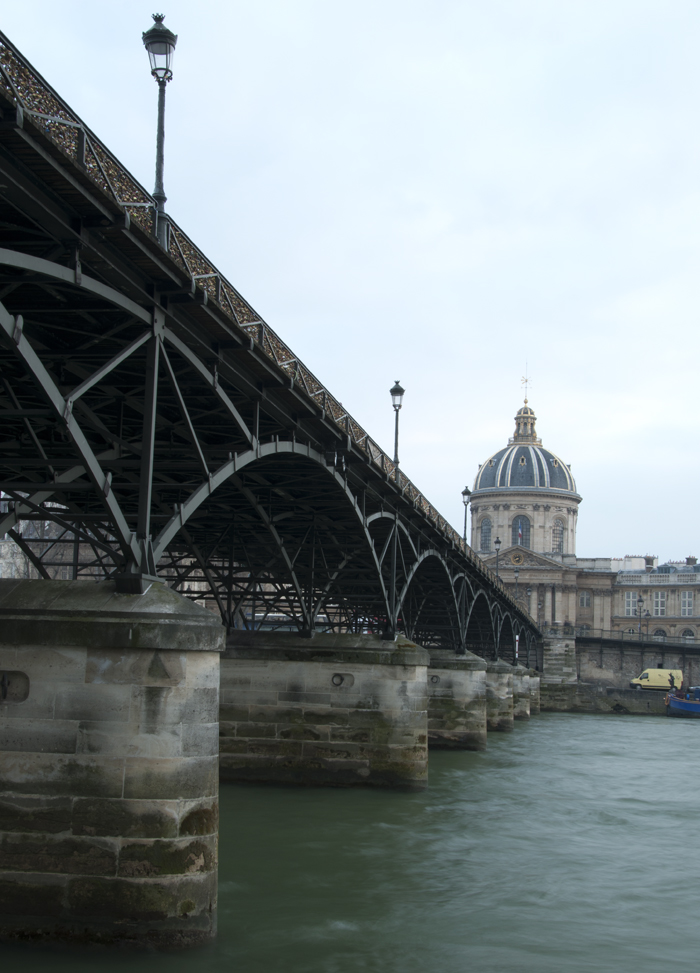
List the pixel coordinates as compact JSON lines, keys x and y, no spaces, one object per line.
{"x":337,"y":710}
{"x":604,"y":664}
{"x":593,"y":675}
{"x":108,"y":765}
{"x":588,"y":698}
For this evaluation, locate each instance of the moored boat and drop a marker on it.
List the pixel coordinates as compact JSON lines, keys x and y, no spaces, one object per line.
{"x":684,"y":704}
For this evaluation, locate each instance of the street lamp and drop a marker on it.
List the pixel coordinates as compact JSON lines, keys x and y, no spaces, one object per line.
{"x":516,"y":572}
{"x":466,"y":493}
{"x":497,"y":545}
{"x":640,"y":606}
{"x":397,"y":394}
{"x":160,"y":44}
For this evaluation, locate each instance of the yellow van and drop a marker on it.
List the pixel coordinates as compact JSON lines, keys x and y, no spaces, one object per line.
{"x":658,"y":679}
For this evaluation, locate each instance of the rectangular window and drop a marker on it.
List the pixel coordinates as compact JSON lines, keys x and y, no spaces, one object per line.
{"x":631,"y":602}
{"x":659,"y":603}
{"x":686,"y":603}
{"x":584,"y":599}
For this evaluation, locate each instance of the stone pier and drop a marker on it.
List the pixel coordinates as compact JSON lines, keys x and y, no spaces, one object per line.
{"x":108,"y":765}
{"x":521,"y":693}
{"x":456,"y":701}
{"x":534,"y":692}
{"x":499,"y":695}
{"x":337,"y":710}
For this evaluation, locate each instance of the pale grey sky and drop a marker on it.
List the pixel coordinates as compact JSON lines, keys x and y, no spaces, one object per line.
{"x":439,"y":192}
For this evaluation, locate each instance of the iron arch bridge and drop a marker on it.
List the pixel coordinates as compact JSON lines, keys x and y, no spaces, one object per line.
{"x":153,"y":425}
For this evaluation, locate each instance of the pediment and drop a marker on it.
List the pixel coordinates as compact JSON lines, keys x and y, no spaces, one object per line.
{"x":511,"y":558}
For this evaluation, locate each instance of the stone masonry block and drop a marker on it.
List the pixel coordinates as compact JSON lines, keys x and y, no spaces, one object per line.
{"x":153,"y":778}
{"x":199,"y":817}
{"x":30,"y":895}
{"x":64,"y":855}
{"x":43,"y":814}
{"x":130,"y":740}
{"x":202,"y":670}
{"x":107,"y":702}
{"x":186,"y":856}
{"x":235,"y":714}
{"x":129,"y":819}
{"x":200,"y":739}
{"x":42,"y":736}
{"x":124,"y":898}
{"x":125,"y":666}
{"x":164,"y":705}
{"x":58,"y":774}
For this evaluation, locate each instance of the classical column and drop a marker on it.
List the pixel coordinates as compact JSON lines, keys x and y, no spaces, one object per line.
{"x":598,"y":605}
{"x":558,"y":598}
{"x":548,"y":619}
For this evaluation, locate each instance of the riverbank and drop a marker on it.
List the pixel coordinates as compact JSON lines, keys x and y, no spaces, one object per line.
{"x":591,"y":698}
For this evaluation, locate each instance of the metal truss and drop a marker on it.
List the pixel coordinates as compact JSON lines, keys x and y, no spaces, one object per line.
{"x":162,"y":429}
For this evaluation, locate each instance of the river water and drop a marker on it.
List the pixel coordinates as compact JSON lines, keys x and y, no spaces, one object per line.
{"x":571,"y":845}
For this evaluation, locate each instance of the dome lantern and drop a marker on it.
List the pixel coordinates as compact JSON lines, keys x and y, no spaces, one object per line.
{"x":525,"y":426}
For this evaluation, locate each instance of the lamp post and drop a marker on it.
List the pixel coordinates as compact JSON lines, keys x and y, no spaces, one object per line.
{"x":466,"y":493}
{"x":516,"y":572}
{"x":160,"y":44}
{"x":640,"y":606}
{"x":529,"y":601}
{"x":497,"y":545}
{"x":397,"y":394}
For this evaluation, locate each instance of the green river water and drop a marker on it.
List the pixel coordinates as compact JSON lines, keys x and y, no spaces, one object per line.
{"x":572,"y":844}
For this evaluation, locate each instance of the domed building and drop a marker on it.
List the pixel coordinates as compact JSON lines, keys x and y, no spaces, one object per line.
{"x":524,"y":515}
{"x":525,"y":495}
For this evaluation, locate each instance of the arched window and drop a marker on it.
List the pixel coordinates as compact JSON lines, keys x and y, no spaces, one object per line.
{"x":659,"y":635}
{"x":521,"y":531}
{"x":485,"y":539}
{"x":558,"y":536}
{"x":688,"y":634}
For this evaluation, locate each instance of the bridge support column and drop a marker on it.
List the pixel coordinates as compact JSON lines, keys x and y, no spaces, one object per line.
{"x":108,"y":765}
{"x":456,"y":701}
{"x":337,"y":710}
{"x":521,"y":693}
{"x":499,"y":696}
{"x":534,"y":692}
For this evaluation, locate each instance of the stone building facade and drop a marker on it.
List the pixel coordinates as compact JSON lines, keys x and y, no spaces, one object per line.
{"x":525,"y":497}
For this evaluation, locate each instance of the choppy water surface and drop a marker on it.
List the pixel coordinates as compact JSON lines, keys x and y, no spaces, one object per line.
{"x":572,"y":845}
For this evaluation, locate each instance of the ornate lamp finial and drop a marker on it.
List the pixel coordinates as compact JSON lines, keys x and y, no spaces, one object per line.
{"x":527,"y":382}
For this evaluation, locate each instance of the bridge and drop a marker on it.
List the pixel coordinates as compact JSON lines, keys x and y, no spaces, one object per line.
{"x":159,"y":439}
{"x":152,"y":415}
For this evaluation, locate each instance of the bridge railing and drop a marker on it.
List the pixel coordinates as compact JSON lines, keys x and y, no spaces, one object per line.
{"x":45,"y":109}
{"x":615,"y":635}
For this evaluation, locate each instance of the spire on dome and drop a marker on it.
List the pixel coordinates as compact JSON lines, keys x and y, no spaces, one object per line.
{"x":525,"y":426}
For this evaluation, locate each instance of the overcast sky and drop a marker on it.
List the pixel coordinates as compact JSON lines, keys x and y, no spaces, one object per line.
{"x":440,"y":192}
